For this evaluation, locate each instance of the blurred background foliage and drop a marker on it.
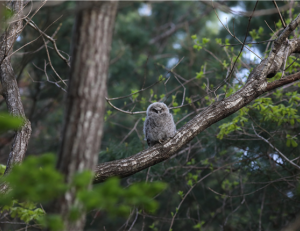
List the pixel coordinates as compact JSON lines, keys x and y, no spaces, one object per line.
{"x":249,"y":186}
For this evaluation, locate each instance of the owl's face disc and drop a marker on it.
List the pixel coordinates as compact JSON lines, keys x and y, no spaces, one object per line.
{"x":157,"y":108}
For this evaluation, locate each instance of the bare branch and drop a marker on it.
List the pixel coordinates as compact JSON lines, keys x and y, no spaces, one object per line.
{"x":279,"y":152}
{"x":281,"y":19}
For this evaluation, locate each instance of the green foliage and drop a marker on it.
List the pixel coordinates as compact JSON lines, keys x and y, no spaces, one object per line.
{"x":278,"y":24}
{"x":191,"y":162}
{"x":188,"y":100}
{"x":256,"y":34}
{"x":294,"y":98}
{"x":228,"y":185}
{"x":7,"y":13}
{"x":34,"y":180}
{"x":114,"y":199}
{"x":277,"y":113}
{"x":108,"y":113}
{"x":2,"y":169}
{"x":181,"y":194}
{"x":268,"y":111}
{"x":175,"y":104}
{"x":229,"y":127}
{"x":200,"y":74}
{"x":53,"y":222}
{"x":161,"y":78}
{"x":151,"y":92}
{"x":8,"y":122}
{"x":219,"y":41}
{"x":153,"y":227}
{"x":278,"y":94}
{"x":26,"y":211}
{"x":292,"y":64}
{"x":134,"y":94}
{"x":191,"y":179}
{"x":225,"y":64}
{"x":291,"y":140}
{"x":199,"y":225}
{"x":205,"y":40}
{"x":199,"y":45}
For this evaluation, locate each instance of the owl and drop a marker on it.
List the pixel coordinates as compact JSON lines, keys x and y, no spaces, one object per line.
{"x":159,"y":124}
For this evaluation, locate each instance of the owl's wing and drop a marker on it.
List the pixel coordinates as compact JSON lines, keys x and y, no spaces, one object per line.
{"x":148,"y":126}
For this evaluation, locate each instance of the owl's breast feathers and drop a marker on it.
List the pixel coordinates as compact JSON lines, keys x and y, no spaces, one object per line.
{"x":157,"y":121}
{"x":158,"y":127}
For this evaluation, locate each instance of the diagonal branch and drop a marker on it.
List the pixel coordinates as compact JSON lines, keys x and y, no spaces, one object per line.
{"x":257,"y":85}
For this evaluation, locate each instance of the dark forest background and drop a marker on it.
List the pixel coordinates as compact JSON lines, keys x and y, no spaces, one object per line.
{"x":252,"y":187}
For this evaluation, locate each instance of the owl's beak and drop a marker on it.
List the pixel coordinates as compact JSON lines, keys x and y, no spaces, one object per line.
{"x":158,"y":109}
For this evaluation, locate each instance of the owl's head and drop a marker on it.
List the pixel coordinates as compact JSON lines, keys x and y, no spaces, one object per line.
{"x":157,"y":108}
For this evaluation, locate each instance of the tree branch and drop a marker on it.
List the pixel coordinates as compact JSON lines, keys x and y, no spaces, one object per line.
{"x":257,"y":85}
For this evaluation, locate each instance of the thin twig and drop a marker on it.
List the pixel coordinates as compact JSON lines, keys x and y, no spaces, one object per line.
{"x":126,"y":96}
{"x":136,"y":216}
{"x":262,"y":206}
{"x":36,"y":38}
{"x":134,"y":128}
{"x":235,"y":36}
{"x":50,"y":63}
{"x":32,"y":24}
{"x":280,"y":153}
{"x":281,"y":19}
{"x":126,"y":112}
{"x":238,"y":44}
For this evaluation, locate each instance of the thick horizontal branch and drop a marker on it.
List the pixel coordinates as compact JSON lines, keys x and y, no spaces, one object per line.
{"x":161,"y":152}
{"x":256,"y":86}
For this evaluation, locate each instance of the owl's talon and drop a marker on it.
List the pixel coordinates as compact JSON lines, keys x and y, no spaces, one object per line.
{"x":161,"y":141}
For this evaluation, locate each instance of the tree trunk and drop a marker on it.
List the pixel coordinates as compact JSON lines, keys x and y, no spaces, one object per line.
{"x":85,"y":105}
{"x":10,"y":90}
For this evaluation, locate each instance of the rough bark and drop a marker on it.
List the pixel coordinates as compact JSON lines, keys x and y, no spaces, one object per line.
{"x":85,"y":104}
{"x":10,"y":90}
{"x":256,"y":85}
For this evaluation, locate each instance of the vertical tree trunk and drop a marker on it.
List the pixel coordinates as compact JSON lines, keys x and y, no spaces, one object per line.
{"x":85,"y":103}
{"x":10,"y":90}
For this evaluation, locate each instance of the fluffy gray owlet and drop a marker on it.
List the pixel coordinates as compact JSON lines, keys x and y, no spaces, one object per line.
{"x":159,"y":124}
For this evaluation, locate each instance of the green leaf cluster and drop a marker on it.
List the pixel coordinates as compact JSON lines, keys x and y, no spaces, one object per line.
{"x":199,"y":45}
{"x":8,"y":122}
{"x":277,"y":113}
{"x":255,"y":34}
{"x":116,"y":200}
{"x":37,"y":181}
{"x":26,"y":211}
{"x":232,"y":126}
